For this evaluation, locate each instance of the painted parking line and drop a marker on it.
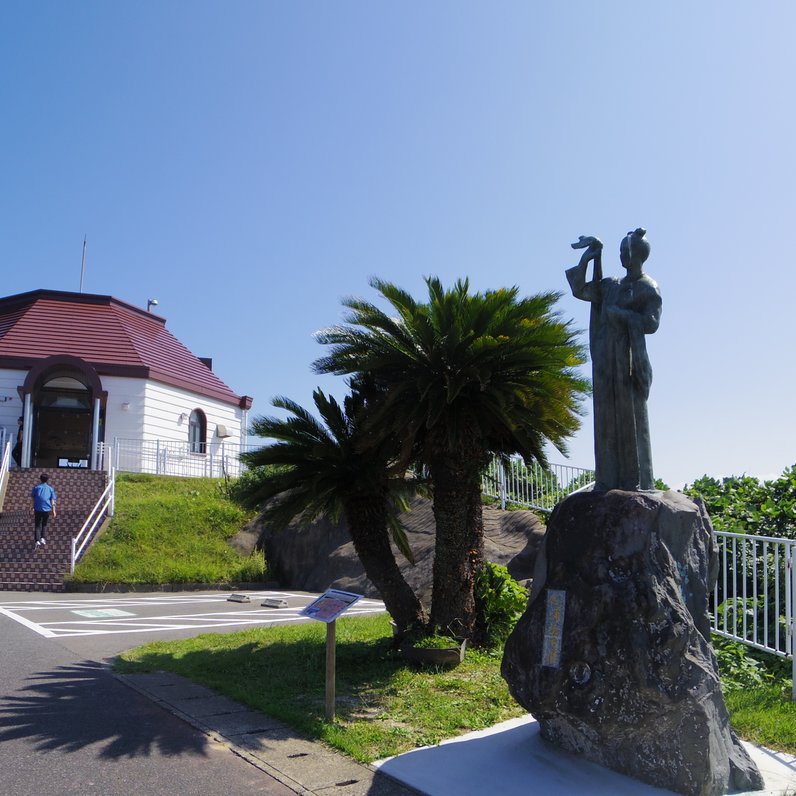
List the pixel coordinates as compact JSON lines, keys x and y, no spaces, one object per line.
{"x":107,"y":616}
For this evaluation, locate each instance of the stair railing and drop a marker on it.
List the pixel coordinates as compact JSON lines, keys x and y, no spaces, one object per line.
{"x":104,"y":505}
{"x":4,"y":465}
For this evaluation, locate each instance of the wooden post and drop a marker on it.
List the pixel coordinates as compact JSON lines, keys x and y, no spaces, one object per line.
{"x":330,"y":669}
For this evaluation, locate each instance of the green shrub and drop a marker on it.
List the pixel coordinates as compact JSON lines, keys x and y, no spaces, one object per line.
{"x":499,"y":603}
{"x":742,"y":667}
{"x":743,"y":504}
{"x":434,"y":642}
{"x":243,"y":490}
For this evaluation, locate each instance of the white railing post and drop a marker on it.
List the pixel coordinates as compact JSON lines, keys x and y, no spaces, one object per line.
{"x":789,"y":620}
{"x":72,"y":558}
{"x":112,"y":502}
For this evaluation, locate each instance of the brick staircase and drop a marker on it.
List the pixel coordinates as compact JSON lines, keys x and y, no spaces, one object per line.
{"x":23,"y":567}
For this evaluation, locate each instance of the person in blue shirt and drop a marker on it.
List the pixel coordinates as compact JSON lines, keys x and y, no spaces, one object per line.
{"x":44,"y":500}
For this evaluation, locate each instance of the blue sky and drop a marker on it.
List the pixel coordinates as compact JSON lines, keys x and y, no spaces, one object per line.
{"x":250,"y":163}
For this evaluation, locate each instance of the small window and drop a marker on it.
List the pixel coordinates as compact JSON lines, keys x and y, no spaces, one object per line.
{"x":197,"y":431}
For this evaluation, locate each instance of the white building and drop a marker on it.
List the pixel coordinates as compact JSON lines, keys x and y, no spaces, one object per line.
{"x":93,"y":377}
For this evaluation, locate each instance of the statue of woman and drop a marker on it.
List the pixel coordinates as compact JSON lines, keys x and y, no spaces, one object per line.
{"x":622,"y":312}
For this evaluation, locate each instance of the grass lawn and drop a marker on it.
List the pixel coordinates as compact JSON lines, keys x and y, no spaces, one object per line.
{"x":384,"y":706}
{"x":169,"y":530}
{"x":765,"y":716}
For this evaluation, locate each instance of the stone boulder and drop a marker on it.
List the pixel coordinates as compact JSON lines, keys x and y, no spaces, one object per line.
{"x":612,"y":656}
{"x":321,"y":555}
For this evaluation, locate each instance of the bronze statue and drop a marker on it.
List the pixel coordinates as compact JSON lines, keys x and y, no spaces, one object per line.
{"x":622,"y":312}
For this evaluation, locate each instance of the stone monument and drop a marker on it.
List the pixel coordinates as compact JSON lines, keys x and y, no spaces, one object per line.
{"x":612,"y":655}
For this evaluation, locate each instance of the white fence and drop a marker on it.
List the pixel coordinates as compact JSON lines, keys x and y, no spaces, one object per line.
{"x":534,"y":486}
{"x":167,"y":457}
{"x":754,"y":600}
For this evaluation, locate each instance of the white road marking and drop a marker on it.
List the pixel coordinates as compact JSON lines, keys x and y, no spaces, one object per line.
{"x":103,"y":613}
{"x":27,"y":623}
{"x":237,"y":615}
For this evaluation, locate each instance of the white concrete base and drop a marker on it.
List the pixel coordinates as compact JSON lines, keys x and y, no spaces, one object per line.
{"x":512,"y":759}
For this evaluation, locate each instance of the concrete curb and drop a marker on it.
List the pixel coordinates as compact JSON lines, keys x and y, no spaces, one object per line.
{"x":309,"y":768}
{"x":123,"y":588}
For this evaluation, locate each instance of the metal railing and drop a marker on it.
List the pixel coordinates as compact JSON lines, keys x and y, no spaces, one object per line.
{"x":754,"y":600}
{"x":103,"y":508}
{"x":535,"y":487}
{"x":217,"y":459}
{"x":4,"y":465}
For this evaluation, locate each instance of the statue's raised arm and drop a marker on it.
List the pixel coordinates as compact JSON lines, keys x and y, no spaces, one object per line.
{"x":622,"y":312}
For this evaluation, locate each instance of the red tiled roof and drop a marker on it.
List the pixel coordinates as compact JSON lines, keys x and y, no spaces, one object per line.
{"x":114,"y":337}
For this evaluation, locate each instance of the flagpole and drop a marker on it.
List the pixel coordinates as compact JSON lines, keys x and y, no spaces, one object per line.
{"x":83,"y":264}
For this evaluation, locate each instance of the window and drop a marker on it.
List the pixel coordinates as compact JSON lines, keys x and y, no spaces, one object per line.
{"x":197,"y":431}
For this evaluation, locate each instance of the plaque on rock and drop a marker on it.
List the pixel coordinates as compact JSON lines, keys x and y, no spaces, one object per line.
{"x":556,"y":605}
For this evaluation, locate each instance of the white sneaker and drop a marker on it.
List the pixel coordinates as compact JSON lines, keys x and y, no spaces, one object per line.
{"x":43,"y":540}
{"x":38,"y":543}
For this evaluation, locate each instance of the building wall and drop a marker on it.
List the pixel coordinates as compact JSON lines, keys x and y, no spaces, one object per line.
{"x":158,"y":411}
{"x":153,"y":412}
{"x":124,"y":423}
{"x":169,"y":408}
{"x":10,"y":403}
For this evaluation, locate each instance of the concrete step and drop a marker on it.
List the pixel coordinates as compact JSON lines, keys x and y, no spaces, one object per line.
{"x":23,"y":566}
{"x":77,"y":489}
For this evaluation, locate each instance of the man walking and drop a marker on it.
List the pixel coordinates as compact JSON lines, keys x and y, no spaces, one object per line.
{"x":44,"y":499}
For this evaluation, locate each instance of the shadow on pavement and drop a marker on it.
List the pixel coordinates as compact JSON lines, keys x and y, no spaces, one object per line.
{"x":83,"y":705}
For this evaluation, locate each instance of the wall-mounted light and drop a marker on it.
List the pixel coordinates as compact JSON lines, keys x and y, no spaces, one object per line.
{"x":182,"y":418}
{"x":126,"y":406}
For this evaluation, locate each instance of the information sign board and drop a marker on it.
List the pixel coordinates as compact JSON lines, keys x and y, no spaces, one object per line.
{"x":330,"y":605}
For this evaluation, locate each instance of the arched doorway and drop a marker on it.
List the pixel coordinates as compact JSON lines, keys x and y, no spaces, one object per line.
{"x":62,"y":423}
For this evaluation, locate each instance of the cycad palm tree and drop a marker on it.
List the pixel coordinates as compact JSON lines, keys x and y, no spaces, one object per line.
{"x":323,"y":469}
{"x":462,"y":376}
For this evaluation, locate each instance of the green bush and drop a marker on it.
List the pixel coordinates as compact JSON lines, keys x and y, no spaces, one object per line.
{"x":243,"y":490}
{"x":743,"y":667}
{"x":499,"y":603}
{"x":743,"y":504}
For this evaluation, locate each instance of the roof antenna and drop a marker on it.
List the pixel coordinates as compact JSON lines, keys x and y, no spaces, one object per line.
{"x":83,"y":264}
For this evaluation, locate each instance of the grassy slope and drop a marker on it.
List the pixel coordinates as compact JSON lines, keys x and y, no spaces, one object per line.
{"x":169,"y":530}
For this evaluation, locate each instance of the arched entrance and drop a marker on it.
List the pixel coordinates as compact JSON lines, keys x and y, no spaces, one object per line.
{"x":63,"y":414}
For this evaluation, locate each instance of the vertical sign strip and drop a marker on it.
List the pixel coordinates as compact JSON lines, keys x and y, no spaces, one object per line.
{"x":556,"y":603}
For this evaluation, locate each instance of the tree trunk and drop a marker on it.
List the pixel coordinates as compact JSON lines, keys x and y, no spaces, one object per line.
{"x":369,"y":533}
{"x":459,"y":550}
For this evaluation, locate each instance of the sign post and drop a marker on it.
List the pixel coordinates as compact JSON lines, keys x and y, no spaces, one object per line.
{"x":326,"y":608}
{"x":331,"y":669}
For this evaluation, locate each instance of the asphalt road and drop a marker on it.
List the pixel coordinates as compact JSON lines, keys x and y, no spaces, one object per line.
{"x":68,"y":726}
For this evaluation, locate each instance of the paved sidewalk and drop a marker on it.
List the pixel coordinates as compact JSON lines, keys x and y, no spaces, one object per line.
{"x":307,"y":767}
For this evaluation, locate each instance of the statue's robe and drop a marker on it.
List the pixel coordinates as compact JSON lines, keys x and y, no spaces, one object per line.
{"x":622,"y":312}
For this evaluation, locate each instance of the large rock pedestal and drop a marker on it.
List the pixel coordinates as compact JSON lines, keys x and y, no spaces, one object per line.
{"x":612,"y":656}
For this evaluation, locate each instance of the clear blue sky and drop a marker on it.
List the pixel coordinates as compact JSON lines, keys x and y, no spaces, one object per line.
{"x":250,"y":163}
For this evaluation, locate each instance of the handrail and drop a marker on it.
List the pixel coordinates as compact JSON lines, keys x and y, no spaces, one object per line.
{"x":4,"y":465}
{"x":106,"y":501}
